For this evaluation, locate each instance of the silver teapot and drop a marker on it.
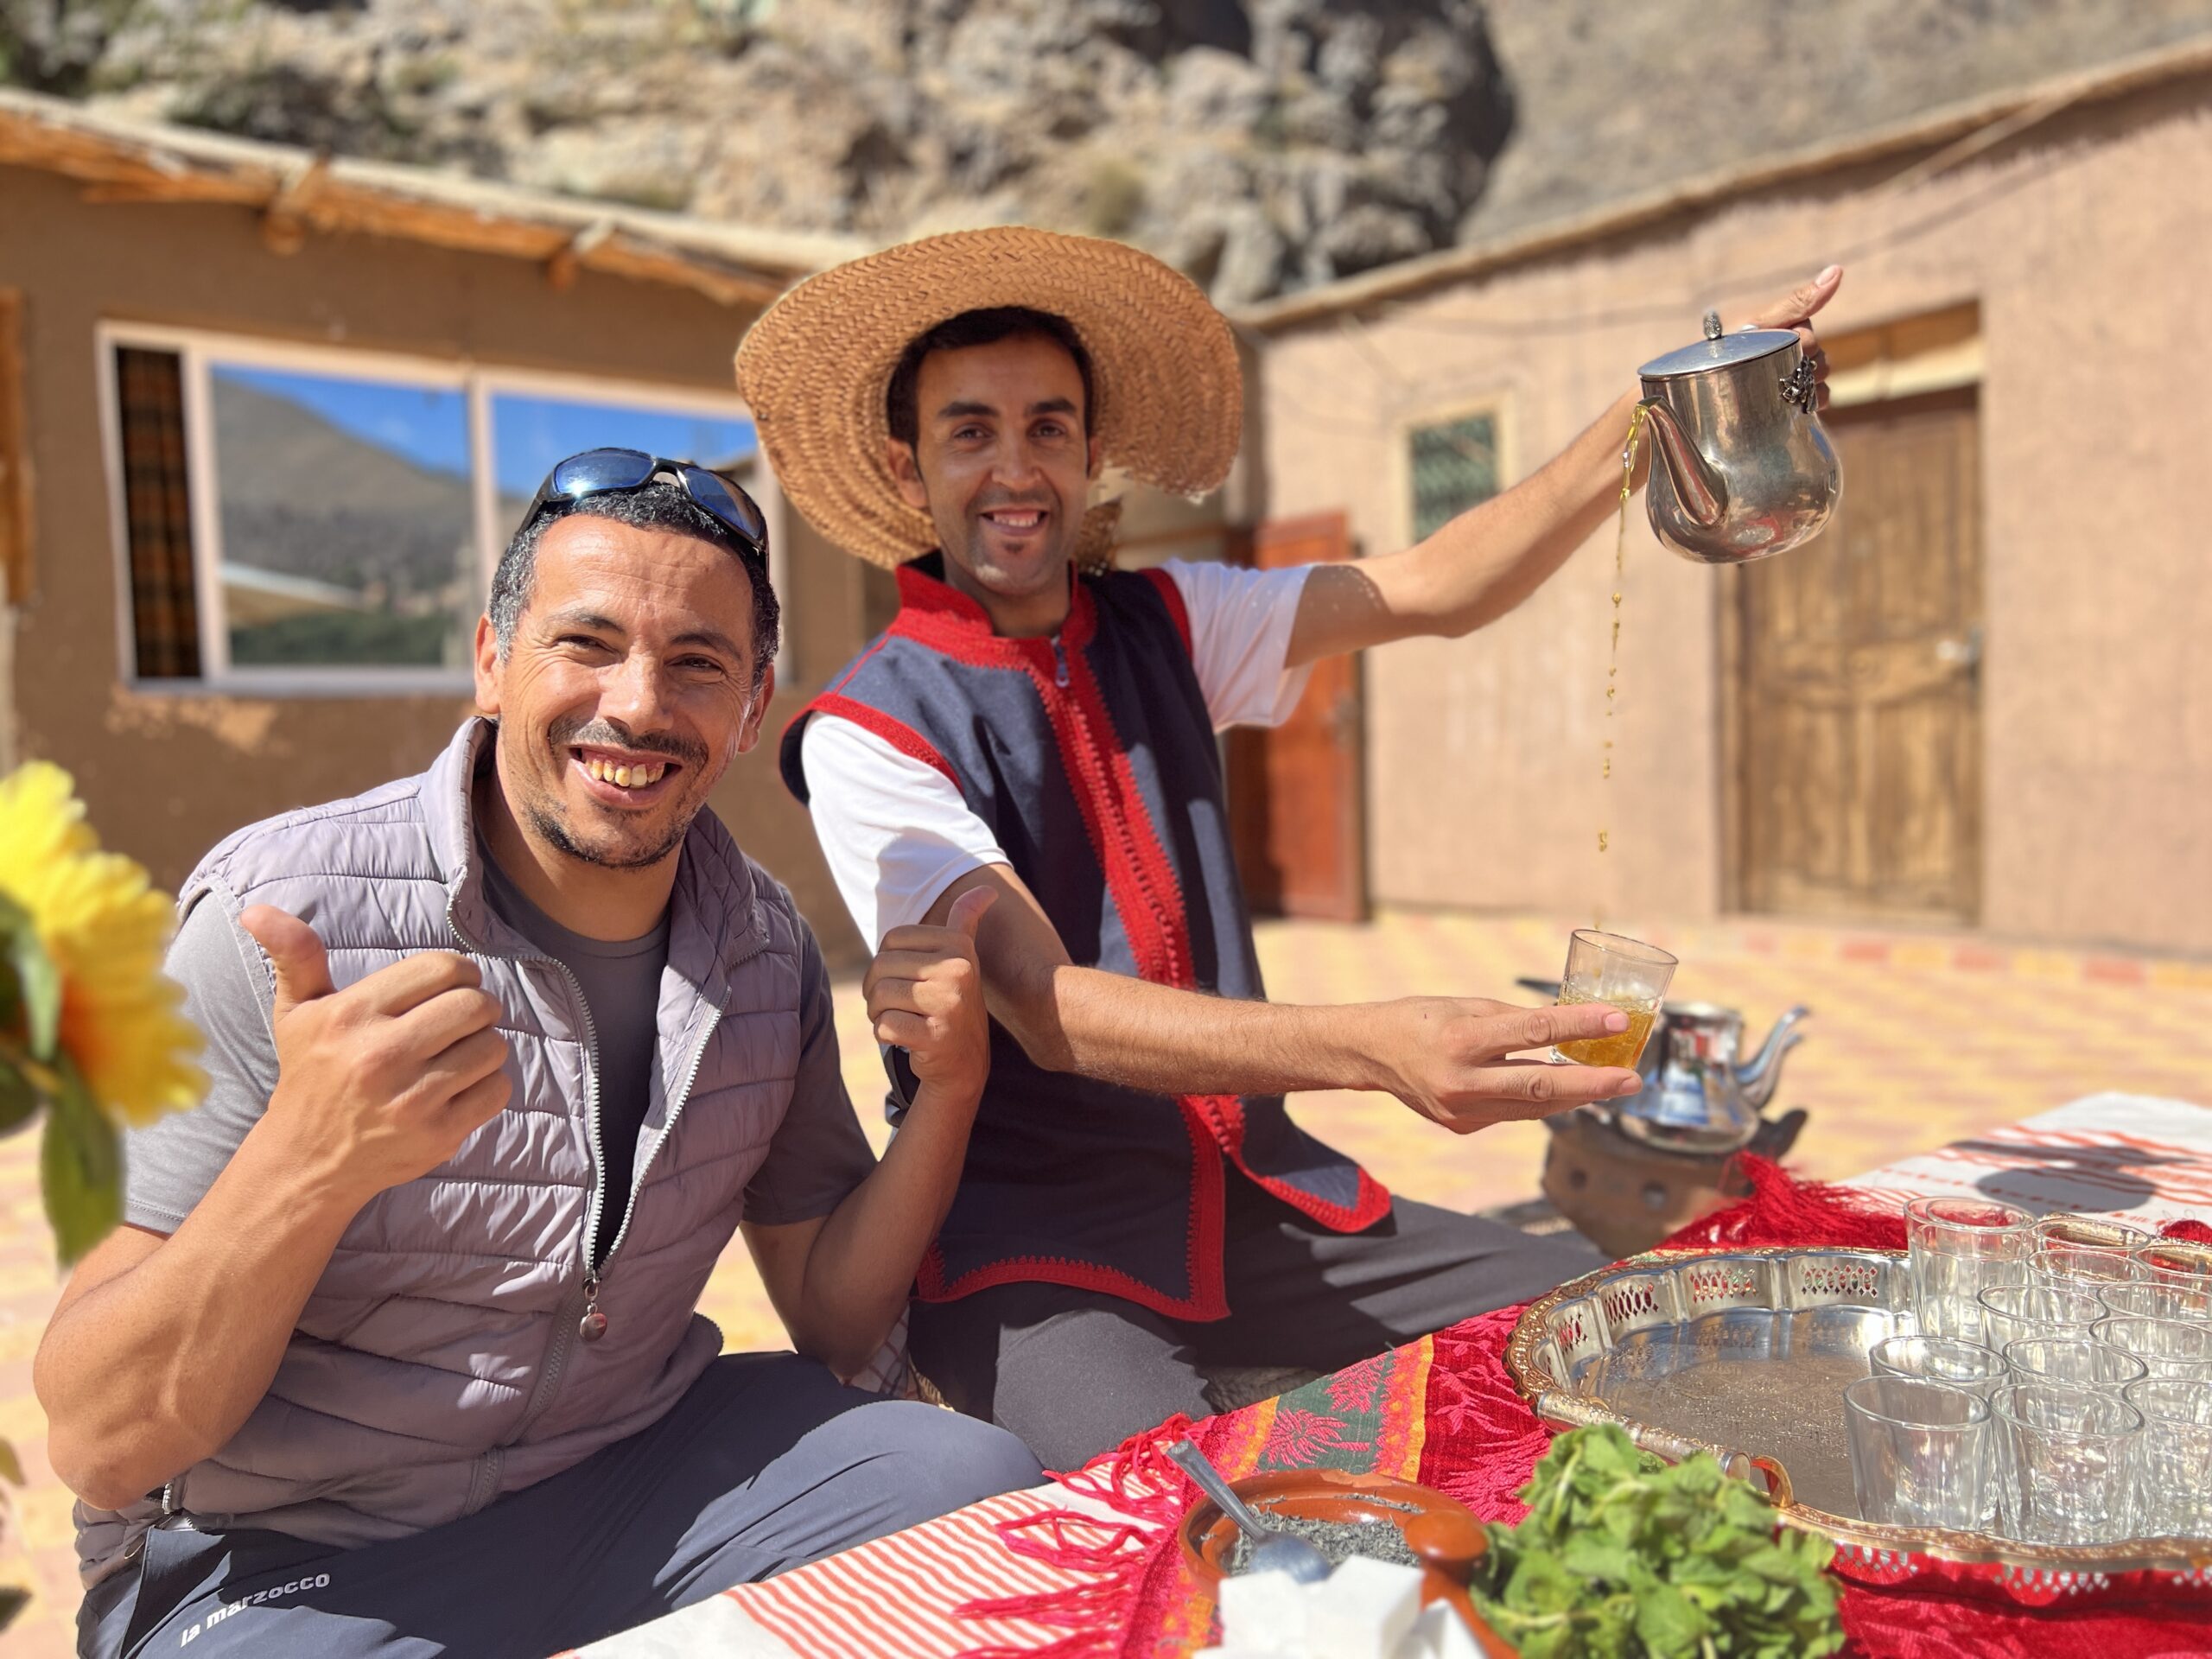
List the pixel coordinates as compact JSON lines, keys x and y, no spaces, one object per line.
{"x":1741,"y":469}
{"x":1696,"y":1096}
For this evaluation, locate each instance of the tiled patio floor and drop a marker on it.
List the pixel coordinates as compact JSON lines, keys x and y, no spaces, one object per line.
{"x":1915,"y":1041}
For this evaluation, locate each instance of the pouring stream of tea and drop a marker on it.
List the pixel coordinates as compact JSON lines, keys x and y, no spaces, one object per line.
{"x":1620,"y":557}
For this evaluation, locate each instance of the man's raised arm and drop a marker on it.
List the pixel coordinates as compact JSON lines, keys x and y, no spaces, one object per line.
{"x":1494,"y":555}
{"x":1448,"y":1058}
{"x":162,"y":1347}
{"x":840,"y":1281}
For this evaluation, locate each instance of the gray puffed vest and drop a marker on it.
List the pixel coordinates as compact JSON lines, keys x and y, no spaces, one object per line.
{"x":437,"y":1365}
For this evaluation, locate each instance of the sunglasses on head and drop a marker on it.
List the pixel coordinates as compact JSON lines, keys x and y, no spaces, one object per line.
{"x":618,"y":472}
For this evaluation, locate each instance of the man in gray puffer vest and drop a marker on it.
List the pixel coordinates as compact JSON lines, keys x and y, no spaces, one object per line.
{"x":396,"y":1352}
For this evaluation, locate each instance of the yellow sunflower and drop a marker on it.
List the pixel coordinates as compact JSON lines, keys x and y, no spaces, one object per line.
{"x":105,"y":930}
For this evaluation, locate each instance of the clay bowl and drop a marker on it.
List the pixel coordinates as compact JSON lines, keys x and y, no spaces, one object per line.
{"x":1441,"y":1531}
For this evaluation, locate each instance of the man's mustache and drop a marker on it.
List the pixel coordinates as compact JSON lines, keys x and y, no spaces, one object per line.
{"x":610,"y":735}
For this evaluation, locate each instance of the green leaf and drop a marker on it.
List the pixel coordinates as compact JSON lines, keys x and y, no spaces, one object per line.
{"x":11,"y":1466}
{"x":80,"y":1169}
{"x":1593,"y":1555}
{"x":1669,"y":1623}
{"x":1619,"y":1560}
{"x":37,"y":980}
{"x":19,"y":1100}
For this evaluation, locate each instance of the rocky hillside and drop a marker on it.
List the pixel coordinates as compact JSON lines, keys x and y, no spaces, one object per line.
{"x":1260,"y":145}
{"x":1618,"y":97}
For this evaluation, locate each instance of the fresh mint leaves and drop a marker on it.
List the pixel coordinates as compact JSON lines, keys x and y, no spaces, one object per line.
{"x":1619,"y":1559}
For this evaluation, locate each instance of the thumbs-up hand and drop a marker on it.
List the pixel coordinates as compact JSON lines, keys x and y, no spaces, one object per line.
{"x":379,"y":1083}
{"x":925,"y":994}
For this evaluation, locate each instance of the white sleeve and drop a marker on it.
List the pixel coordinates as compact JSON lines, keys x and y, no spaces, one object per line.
{"x":895,"y":830}
{"x":1240,"y":620}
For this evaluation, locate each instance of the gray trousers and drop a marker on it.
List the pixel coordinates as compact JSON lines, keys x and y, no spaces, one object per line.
{"x":766,"y":1463}
{"x":1074,"y":1372}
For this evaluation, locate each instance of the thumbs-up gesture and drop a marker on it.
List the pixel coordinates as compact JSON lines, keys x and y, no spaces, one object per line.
{"x":379,"y":1083}
{"x":925,"y":994}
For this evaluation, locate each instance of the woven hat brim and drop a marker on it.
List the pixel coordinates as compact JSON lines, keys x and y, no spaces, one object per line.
{"x":1168,"y":393}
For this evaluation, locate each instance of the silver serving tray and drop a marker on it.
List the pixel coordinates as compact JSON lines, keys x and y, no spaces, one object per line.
{"x":1745,"y":1354}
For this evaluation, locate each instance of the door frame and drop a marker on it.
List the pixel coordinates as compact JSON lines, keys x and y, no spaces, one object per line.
{"x":1729,"y":647}
{"x":17,"y":569}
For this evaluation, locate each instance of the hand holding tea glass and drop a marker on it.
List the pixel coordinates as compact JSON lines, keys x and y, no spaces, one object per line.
{"x":1622,"y":973}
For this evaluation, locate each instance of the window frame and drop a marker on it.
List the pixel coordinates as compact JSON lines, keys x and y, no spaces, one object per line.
{"x":478,"y":382}
{"x":1498,"y":405}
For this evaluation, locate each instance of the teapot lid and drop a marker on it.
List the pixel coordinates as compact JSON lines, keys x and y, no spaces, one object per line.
{"x":1718,"y":351}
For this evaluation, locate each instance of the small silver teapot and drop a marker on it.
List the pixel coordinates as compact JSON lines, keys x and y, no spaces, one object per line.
{"x":1696,"y":1096}
{"x":1742,"y":470}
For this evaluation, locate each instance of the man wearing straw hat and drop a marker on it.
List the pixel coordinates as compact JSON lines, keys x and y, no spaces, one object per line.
{"x":1136,"y":1208}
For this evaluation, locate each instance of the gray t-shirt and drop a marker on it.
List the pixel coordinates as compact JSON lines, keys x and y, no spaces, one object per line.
{"x":620,"y":982}
{"x":817,"y":1156}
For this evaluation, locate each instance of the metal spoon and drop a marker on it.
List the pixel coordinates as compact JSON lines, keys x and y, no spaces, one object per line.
{"x":1272,"y":1551}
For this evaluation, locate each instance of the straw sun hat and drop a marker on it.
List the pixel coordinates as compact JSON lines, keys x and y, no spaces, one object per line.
{"x":1167,"y":397}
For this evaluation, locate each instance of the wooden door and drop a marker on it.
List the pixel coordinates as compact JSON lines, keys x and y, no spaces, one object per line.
{"x":1297,"y":794}
{"x":1857,"y":712}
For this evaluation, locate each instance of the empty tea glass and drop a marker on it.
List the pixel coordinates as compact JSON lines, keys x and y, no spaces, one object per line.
{"x":2013,"y":1313}
{"x":1951,"y":1360}
{"x":1959,"y":1247}
{"x":2182,"y":1267}
{"x":2091,"y":1232}
{"x":2174,"y":1496}
{"x":1919,"y":1451}
{"x":2147,"y":1299}
{"x":2068,"y":1457}
{"x":1626,"y":973}
{"x":2083,"y":1361}
{"x":2175,"y":1348}
{"x":2082,"y":1266}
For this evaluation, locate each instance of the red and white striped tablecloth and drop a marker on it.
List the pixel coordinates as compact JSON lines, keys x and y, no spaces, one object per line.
{"x":2124,"y":1155}
{"x":2132,"y":1157}
{"x":894,"y":1599}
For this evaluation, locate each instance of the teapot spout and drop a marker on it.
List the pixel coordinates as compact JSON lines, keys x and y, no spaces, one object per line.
{"x":1757,"y":1077}
{"x":1700,"y":490}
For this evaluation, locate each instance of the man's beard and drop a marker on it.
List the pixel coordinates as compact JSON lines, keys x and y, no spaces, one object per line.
{"x":1052,"y":559}
{"x":555,"y":834}
{"x":545,"y":814}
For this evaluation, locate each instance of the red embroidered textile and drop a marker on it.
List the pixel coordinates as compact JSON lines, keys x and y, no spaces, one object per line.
{"x":1472,"y":1437}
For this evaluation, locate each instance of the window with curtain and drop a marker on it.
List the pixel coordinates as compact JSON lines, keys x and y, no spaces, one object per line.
{"x":157,"y":514}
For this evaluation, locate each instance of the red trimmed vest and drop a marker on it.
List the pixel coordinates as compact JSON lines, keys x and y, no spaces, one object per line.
{"x":1092,"y":758}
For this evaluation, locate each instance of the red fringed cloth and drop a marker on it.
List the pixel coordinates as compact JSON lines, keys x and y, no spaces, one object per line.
{"x":1443,"y":1411}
